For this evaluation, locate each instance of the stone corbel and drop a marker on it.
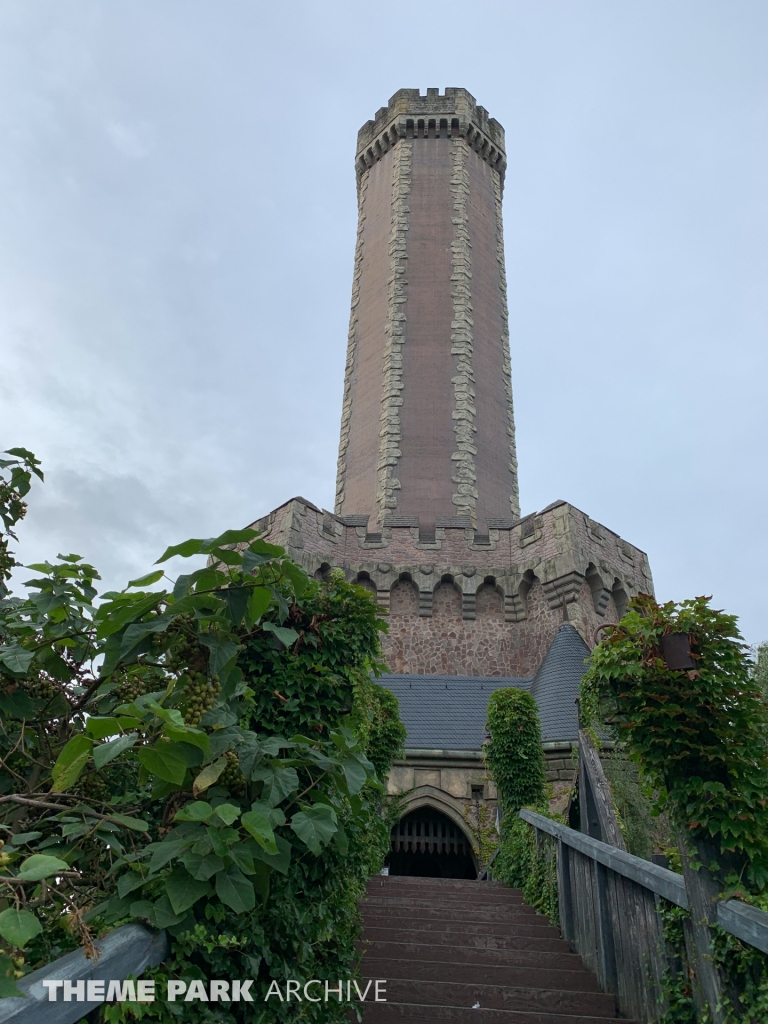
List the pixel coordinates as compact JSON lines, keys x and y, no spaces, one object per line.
{"x":563,"y":589}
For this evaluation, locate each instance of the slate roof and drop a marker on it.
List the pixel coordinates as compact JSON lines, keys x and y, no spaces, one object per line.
{"x":449,"y":712}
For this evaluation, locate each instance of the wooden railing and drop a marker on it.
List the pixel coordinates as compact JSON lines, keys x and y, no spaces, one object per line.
{"x":609,"y":911}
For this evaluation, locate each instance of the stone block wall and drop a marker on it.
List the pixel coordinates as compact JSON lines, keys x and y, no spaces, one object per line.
{"x":467,"y":604}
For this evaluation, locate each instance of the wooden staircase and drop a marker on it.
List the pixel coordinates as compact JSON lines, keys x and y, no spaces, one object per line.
{"x":454,"y":951}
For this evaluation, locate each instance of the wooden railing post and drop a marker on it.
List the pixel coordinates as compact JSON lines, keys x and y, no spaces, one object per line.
{"x":703,"y":893}
{"x":565,"y":891}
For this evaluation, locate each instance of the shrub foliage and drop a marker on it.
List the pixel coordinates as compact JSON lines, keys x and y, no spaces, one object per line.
{"x":195,"y":757}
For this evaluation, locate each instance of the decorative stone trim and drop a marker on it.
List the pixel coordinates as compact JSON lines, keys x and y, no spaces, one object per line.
{"x":514,"y":497}
{"x":464,"y":474}
{"x":392,"y":382}
{"x":346,"y":407}
{"x":563,"y":590}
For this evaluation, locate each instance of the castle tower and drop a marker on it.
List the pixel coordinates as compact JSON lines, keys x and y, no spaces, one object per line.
{"x":427,"y":514}
{"x":427,"y":433}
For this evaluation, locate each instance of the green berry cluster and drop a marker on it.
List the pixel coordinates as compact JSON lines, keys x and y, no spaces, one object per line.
{"x":232,"y":778}
{"x":199,"y":696}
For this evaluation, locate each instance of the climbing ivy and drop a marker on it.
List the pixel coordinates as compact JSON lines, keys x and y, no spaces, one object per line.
{"x":514,"y":753}
{"x":515,"y":758}
{"x":699,"y":736}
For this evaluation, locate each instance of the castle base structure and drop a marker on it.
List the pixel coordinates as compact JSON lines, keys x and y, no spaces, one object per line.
{"x":465,"y":604}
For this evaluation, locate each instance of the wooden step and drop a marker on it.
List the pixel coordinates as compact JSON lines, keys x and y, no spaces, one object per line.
{"x":455,"y":951}
{"x":482,"y":974}
{"x":407,"y":949}
{"x":534,"y":927}
{"x":440,"y":911}
{"x":415,"y":1013}
{"x":459,"y":937}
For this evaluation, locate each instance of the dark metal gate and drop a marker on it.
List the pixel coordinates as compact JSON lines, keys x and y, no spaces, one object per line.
{"x":426,"y":842}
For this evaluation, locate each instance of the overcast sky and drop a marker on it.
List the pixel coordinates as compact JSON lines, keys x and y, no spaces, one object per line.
{"x":177,"y":222}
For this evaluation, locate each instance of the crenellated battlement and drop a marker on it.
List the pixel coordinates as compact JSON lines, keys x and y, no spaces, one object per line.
{"x":409,"y":115}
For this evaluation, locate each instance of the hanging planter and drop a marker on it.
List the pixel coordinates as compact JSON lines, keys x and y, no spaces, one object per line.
{"x":676,"y":651}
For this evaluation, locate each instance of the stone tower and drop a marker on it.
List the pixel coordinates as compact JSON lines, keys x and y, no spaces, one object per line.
{"x":427,"y":430}
{"x":427,"y":513}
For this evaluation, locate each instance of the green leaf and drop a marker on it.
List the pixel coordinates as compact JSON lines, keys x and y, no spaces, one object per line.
{"x":260,"y":599}
{"x":355,"y":775}
{"x":201,"y":867}
{"x":18,"y":704}
{"x":148,"y":580}
{"x":185,"y":550}
{"x":287,"y":637}
{"x":221,"y":651}
{"x":234,"y":889}
{"x":105,"y":752}
{"x":40,"y":865}
{"x":135,"y":824}
{"x":277,"y":784}
{"x":164,"y":852}
{"x":183,"y":890}
{"x":236,"y":600}
{"x":228,"y":813}
{"x":209,"y":775}
{"x":260,"y":828}
{"x":199,"y":810}
{"x":19,"y":926}
{"x":315,"y":827}
{"x":98,"y":728}
{"x":187,"y":734}
{"x":297,"y":576}
{"x":24,"y":837}
{"x":128,"y":882}
{"x":70,"y":763}
{"x":16,"y":659}
{"x":165,"y":760}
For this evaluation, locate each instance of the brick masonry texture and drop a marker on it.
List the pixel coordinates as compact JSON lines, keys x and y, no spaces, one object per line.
{"x":427,"y":395}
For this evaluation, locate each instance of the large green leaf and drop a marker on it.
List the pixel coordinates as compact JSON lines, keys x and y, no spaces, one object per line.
{"x":185,"y":550}
{"x":227,"y":813}
{"x":183,"y":890}
{"x":315,"y":827}
{"x":355,"y":775}
{"x":41,"y":865}
{"x":97,"y":728}
{"x":234,"y":889}
{"x":70,"y":763}
{"x":165,"y":760}
{"x":260,"y":828}
{"x":18,"y":704}
{"x":258,"y":602}
{"x":18,"y":927}
{"x":277,"y":784}
{"x":135,"y":824}
{"x":106,"y":752}
{"x":198,"y":810}
{"x":222,"y":651}
{"x":16,"y":658}
{"x":148,"y":580}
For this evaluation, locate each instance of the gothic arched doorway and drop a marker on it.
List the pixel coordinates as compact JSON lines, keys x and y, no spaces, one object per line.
{"x":427,"y":843}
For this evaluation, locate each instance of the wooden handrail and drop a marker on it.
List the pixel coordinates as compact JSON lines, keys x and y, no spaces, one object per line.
{"x":609,"y":912}
{"x":651,"y":876}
